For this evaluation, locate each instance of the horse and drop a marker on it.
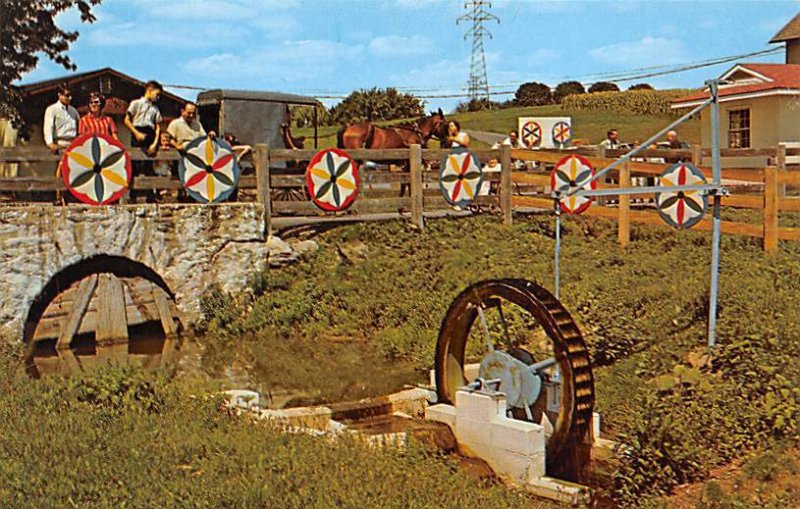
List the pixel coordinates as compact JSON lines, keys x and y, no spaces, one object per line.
{"x":370,"y":136}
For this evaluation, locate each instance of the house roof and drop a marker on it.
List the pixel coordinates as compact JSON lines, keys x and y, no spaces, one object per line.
{"x":790,"y":31}
{"x":749,"y":80}
{"x":215,"y":96}
{"x":49,"y":85}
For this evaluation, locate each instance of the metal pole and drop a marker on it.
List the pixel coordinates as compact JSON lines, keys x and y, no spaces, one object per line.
{"x":558,"y":246}
{"x":645,"y":144}
{"x":717,"y":179}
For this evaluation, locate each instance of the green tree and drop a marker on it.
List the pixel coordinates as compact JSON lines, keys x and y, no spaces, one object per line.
{"x":603,"y":86}
{"x":376,"y":104}
{"x":28,"y":27}
{"x":641,"y":86}
{"x":568,"y":88}
{"x":533,"y":94}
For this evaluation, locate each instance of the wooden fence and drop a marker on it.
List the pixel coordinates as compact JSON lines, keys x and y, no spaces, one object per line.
{"x":756,"y":188}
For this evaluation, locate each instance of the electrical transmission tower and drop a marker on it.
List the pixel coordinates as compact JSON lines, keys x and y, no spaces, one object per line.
{"x":478,"y":85}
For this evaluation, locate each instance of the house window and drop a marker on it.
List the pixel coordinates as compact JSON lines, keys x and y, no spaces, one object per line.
{"x":739,"y":128}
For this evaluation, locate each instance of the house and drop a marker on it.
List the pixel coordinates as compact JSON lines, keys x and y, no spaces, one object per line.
{"x":759,"y":103}
{"x":119,"y":88}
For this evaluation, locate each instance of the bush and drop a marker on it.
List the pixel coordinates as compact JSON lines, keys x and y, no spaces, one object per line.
{"x":567,"y":88}
{"x":533,"y":94}
{"x":637,"y":102}
{"x":603,"y":86}
{"x":641,"y":86}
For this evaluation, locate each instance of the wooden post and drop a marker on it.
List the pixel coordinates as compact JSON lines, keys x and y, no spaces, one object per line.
{"x":111,"y":333}
{"x":505,"y":183}
{"x":770,"y":209}
{"x":73,"y":321}
{"x":415,"y":165}
{"x":600,"y":151}
{"x":624,"y":227}
{"x":262,"y":184}
{"x":780,"y":162}
{"x":697,"y":156}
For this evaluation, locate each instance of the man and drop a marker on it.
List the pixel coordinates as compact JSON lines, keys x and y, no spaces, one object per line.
{"x":60,"y":121}
{"x":612,"y":140}
{"x":186,"y":128}
{"x":674,"y":142}
{"x":514,"y":142}
{"x":143,"y":119}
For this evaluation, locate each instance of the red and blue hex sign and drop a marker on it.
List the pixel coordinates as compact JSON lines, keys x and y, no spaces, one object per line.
{"x":682,"y":209}
{"x":531,"y":134}
{"x":332,"y":180}
{"x":96,"y":169}
{"x":209,"y":170}
{"x":573,"y":172}
{"x":562,"y":133}
{"x":460,"y":177}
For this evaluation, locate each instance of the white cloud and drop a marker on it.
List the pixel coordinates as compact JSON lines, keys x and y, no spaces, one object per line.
{"x":148,"y":35}
{"x":647,"y":51}
{"x":398,"y":46}
{"x":289,"y":61}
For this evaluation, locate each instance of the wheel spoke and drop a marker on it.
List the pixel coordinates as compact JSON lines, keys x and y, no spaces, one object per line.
{"x":505,"y":324}
{"x":489,"y":345}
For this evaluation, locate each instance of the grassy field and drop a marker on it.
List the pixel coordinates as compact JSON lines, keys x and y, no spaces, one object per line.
{"x":360,"y":317}
{"x":588,"y":125}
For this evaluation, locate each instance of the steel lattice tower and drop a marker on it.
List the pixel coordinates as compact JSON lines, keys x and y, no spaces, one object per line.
{"x":478,"y":84}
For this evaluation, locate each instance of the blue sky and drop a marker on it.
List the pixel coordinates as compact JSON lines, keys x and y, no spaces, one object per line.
{"x":332,"y":47}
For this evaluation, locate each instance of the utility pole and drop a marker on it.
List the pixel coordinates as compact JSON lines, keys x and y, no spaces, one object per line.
{"x":478,"y":84}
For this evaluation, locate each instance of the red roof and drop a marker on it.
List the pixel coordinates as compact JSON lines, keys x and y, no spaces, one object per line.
{"x":778,"y":77}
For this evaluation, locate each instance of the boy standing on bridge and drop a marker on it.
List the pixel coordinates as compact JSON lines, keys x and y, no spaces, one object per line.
{"x":143,"y":119}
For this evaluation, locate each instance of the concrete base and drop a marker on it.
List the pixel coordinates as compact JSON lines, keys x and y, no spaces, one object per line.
{"x":514,"y":449}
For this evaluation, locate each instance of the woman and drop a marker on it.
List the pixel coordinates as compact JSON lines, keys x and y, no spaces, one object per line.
{"x":455,"y":137}
{"x":95,"y":122}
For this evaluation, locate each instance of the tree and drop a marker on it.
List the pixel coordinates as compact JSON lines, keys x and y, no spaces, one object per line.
{"x":27,"y":27}
{"x":641,"y":86}
{"x":603,"y":86}
{"x":376,"y":104}
{"x":533,"y":94}
{"x":568,"y":88}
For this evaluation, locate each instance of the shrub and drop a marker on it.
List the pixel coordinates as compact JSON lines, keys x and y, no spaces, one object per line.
{"x":567,"y":88}
{"x":533,"y":94}
{"x":603,"y":86}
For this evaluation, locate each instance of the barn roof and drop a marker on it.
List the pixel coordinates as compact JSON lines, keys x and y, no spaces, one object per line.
{"x":51,"y":84}
{"x":215,"y":96}
{"x":790,"y":31}
{"x":750,"y":80}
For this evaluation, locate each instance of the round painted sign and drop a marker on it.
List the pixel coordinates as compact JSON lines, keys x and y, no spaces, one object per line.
{"x":682,"y":209}
{"x":332,"y":180}
{"x":460,"y":177}
{"x":96,"y":169}
{"x":208,"y":170}
{"x":562,"y":133}
{"x":573,"y":172}
{"x":531,"y":134}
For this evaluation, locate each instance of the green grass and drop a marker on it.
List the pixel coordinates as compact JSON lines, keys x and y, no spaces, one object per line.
{"x":588,"y":125}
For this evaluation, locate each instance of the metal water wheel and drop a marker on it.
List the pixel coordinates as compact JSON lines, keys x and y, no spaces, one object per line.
{"x":527,"y":341}
{"x":101,"y":319}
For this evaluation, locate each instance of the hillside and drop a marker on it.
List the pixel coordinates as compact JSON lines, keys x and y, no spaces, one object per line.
{"x":589,"y":125}
{"x":307,"y":334}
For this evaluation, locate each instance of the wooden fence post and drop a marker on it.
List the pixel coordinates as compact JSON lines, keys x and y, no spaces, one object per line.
{"x":505,"y":183}
{"x":697,"y":156}
{"x":780,"y":162}
{"x":261,"y":157}
{"x":415,"y":165}
{"x":600,"y":151}
{"x":624,"y":227}
{"x":770,"y":209}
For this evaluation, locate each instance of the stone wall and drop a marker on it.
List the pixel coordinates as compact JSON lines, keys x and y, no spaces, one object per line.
{"x":189,"y":246}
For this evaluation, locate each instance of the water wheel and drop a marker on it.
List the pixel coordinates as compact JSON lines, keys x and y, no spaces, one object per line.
{"x":104,"y":318}
{"x":524,"y":338}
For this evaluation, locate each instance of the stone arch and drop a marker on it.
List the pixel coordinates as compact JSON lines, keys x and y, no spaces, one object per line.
{"x":102,"y":267}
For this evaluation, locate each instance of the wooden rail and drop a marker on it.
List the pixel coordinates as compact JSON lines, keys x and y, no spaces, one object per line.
{"x":752,"y":188}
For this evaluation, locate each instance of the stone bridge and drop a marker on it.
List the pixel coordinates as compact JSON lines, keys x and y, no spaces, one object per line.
{"x":181,"y":248}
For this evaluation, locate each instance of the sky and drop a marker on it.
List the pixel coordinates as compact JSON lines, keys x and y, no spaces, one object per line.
{"x":328,"y":48}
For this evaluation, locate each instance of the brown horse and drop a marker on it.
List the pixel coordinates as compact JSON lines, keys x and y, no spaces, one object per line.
{"x":368,"y":135}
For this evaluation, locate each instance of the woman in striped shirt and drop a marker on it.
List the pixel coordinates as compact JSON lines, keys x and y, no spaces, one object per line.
{"x":95,"y":122}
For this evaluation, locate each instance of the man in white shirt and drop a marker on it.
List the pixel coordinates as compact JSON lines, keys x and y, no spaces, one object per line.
{"x":60,"y":121}
{"x":512,"y":140}
{"x":612,"y":140}
{"x":186,"y":128}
